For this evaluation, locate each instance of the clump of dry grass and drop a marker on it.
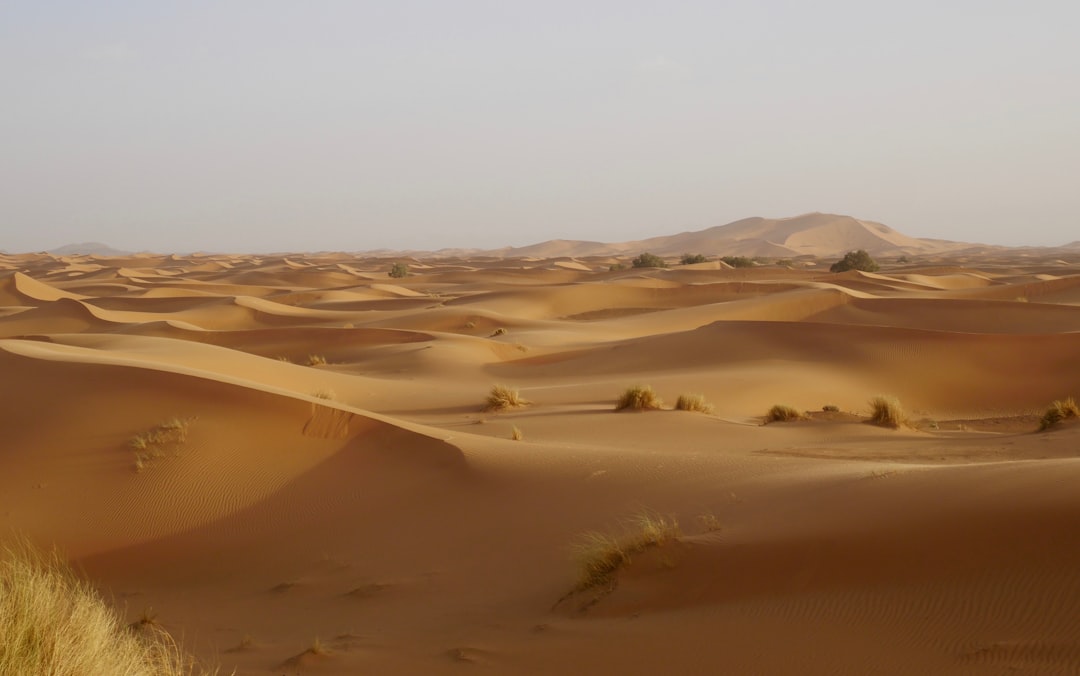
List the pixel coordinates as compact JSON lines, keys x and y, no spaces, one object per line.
{"x":501,"y":398}
{"x":887,"y":412}
{"x":783,"y":413}
{"x":316,"y":360}
{"x":1059,"y":410}
{"x":498,"y":332}
{"x":693,"y":402}
{"x":329,"y":395}
{"x":600,"y":555}
{"x":152,"y":444}
{"x":52,"y":622}
{"x":639,"y":398}
{"x":830,"y":408}
{"x":516,"y":434}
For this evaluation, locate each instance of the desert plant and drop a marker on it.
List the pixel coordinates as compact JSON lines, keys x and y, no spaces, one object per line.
{"x":615,"y":267}
{"x":1059,"y":410}
{"x":516,"y":434}
{"x":501,"y":398}
{"x":855,"y":260}
{"x":52,"y":622}
{"x":692,"y":259}
{"x":498,"y":332}
{"x":738,"y":261}
{"x":693,"y":402}
{"x":648,"y":260}
{"x":600,"y":555}
{"x":151,"y":444}
{"x":639,"y":398}
{"x":399,"y":270}
{"x":830,"y":408}
{"x":887,"y":411}
{"x":316,"y":360}
{"x":329,"y":395}
{"x":783,"y":413}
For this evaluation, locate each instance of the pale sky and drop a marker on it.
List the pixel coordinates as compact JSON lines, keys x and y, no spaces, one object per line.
{"x":289,"y":125}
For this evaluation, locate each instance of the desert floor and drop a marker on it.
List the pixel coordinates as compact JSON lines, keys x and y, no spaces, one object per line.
{"x":366,"y":516}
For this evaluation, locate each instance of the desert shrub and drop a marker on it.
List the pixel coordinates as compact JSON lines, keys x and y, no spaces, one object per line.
{"x":316,"y":360}
{"x":501,"y":398}
{"x":693,"y":402}
{"x":887,"y":411}
{"x":691,"y":259}
{"x":600,"y":555}
{"x":53,"y":623}
{"x":739,"y":261}
{"x":648,"y":260}
{"x":830,"y":408}
{"x":615,"y":267}
{"x":782,"y":413}
{"x":399,"y":270}
{"x":1059,"y":410}
{"x":152,"y":444}
{"x":498,"y":332}
{"x":639,"y":398}
{"x":516,"y":434}
{"x":855,"y":260}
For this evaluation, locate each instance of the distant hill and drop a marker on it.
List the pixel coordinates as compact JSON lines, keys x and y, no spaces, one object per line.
{"x":816,"y":234}
{"x":89,"y":248}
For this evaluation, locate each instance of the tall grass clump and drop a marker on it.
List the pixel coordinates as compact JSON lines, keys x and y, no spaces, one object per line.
{"x":639,"y":398}
{"x":600,"y":555}
{"x":783,"y":413}
{"x":54,"y":624}
{"x":887,"y":412}
{"x":693,"y":402}
{"x":316,"y":360}
{"x":1059,"y":410}
{"x":501,"y":398}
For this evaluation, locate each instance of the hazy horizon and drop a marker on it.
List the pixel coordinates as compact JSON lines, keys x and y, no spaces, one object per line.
{"x":276,"y":126}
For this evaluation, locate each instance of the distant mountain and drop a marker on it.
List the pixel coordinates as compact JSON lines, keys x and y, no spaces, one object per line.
{"x":816,"y":234}
{"x":89,"y":248}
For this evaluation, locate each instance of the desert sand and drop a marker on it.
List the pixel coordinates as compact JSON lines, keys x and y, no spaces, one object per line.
{"x":325,"y":494}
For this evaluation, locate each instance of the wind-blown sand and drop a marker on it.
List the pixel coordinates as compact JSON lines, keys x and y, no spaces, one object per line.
{"x":371,"y":504}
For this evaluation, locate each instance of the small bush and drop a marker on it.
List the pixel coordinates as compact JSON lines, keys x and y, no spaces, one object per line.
{"x":152,"y":444}
{"x":887,"y":412}
{"x":692,"y":259}
{"x":739,"y":261}
{"x":615,"y":267}
{"x":648,"y":260}
{"x":693,"y":402}
{"x":600,"y":555}
{"x":501,"y":398}
{"x":498,"y":332}
{"x":399,"y":270}
{"x":316,"y":360}
{"x":51,"y":622}
{"x":516,"y":434}
{"x":855,"y":260}
{"x":830,"y":408}
{"x":1058,"y":411}
{"x":782,"y":413}
{"x":639,"y":398}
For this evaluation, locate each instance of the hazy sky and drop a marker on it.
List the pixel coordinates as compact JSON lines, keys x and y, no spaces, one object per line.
{"x":243,"y":125}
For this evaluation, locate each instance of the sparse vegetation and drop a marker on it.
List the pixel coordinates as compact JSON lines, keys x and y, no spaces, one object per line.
{"x":639,"y":398}
{"x":738,"y":261}
{"x":502,"y":398}
{"x":830,"y":408}
{"x":887,"y":412}
{"x":498,"y":332}
{"x":153,"y":443}
{"x":316,"y":360}
{"x":648,"y":260}
{"x":1058,"y":411}
{"x":693,"y":402}
{"x":600,"y":555}
{"x":329,"y":395}
{"x":52,"y":622}
{"x":692,"y":259}
{"x":709,"y":522}
{"x":615,"y":267}
{"x":783,"y":413}
{"x":855,"y":260}
{"x":516,"y":434}
{"x":399,"y":270}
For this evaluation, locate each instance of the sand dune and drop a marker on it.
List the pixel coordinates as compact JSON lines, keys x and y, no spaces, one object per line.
{"x":267,"y":450}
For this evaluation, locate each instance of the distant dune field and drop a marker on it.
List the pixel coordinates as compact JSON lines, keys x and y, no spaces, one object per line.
{"x":301,"y":466}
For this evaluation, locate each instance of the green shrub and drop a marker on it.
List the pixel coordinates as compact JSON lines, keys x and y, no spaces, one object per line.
{"x":855,"y":260}
{"x":399,"y":270}
{"x":648,"y":260}
{"x":692,"y":259}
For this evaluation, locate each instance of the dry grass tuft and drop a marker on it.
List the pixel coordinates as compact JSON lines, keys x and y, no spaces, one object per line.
{"x":501,"y":398}
{"x":329,"y":395}
{"x":830,"y":408}
{"x":887,"y":412}
{"x":498,"y":332}
{"x":639,"y":398}
{"x":1059,"y":410}
{"x":600,"y":555}
{"x":516,"y":434}
{"x":52,"y":622}
{"x":693,"y":402}
{"x":152,"y":444}
{"x":782,"y":413}
{"x":316,"y":360}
